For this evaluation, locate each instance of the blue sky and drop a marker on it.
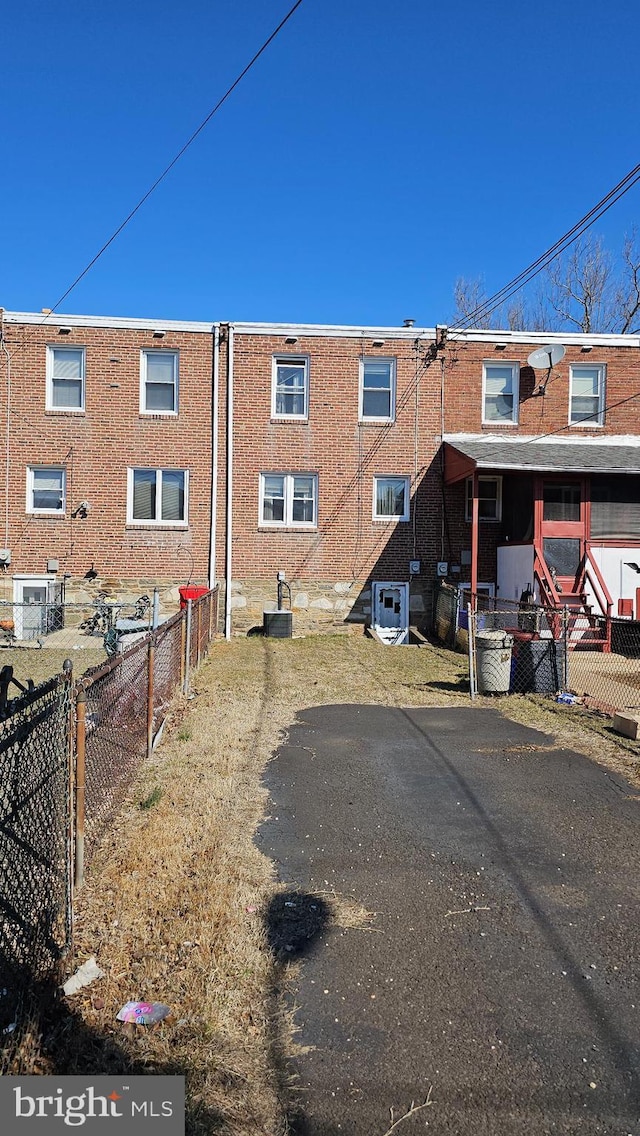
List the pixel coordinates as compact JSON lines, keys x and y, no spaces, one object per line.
{"x":375,"y":153}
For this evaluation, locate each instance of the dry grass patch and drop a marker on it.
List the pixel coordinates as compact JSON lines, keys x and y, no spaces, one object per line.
{"x":180,"y":906}
{"x":175,"y":899}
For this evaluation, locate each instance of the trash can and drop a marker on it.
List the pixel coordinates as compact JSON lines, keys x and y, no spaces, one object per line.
{"x":541,"y":666}
{"x":191,"y":592}
{"x":493,"y":658}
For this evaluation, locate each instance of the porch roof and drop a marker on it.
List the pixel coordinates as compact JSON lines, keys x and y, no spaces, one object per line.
{"x":465,"y":453}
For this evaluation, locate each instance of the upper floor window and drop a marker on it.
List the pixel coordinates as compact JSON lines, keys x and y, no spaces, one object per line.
{"x":586,"y":395}
{"x":159,"y":382}
{"x":489,"y":499}
{"x":377,"y":390}
{"x":46,"y":489}
{"x":500,"y":382}
{"x":290,"y":387}
{"x":391,"y":498}
{"x":65,"y":378}
{"x":157,"y":497}
{"x":289,"y":499}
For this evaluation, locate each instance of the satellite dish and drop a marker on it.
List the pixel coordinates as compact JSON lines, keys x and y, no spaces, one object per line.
{"x":544,"y":358}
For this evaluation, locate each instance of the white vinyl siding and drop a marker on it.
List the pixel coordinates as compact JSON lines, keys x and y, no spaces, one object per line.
{"x":159,"y":382}
{"x":289,"y":500}
{"x":500,"y":384}
{"x":65,"y":378}
{"x":157,"y":497}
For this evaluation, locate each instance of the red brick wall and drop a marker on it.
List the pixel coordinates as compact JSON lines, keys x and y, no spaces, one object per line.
{"x":97,"y":446}
{"x":539,"y":414}
{"x":344,"y":453}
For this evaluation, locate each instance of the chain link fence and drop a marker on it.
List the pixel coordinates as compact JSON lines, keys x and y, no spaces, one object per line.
{"x":571,"y":653}
{"x":564,"y":652}
{"x":68,"y":753}
{"x":35,"y":839}
{"x":57,"y":624}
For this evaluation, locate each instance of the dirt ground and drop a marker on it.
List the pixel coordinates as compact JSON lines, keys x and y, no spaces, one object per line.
{"x":174,"y":902}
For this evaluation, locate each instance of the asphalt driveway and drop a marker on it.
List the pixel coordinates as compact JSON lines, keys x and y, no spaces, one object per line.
{"x":499,"y":972}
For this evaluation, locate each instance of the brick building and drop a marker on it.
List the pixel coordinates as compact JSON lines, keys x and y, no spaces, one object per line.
{"x":105,"y":461}
{"x":353,"y":460}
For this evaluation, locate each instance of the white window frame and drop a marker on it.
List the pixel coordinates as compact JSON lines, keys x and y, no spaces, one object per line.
{"x":144,"y":355}
{"x":515,"y":384}
{"x":468,"y":499}
{"x":287,"y":522}
{"x":596,"y":420}
{"x":31,"y":469}
{"x":157,"y":522}
{"x":391,"y":417}
{"x":52,"y":348}
{"x":292,"y":361}
{"x":405,"y":516}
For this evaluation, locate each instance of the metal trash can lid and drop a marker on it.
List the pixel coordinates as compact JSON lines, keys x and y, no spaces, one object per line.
{"x":493,"y":640}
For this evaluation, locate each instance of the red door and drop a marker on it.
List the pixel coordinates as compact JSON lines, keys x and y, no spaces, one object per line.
{"x":561,"y":527}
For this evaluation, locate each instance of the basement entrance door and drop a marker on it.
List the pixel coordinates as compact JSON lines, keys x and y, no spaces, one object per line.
{"x":561,"y":527}
{"x":390,"y":614}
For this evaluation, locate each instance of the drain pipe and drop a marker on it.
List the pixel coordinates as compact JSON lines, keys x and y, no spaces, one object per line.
{"x":214,"y":458}
{"x":229,"y":508}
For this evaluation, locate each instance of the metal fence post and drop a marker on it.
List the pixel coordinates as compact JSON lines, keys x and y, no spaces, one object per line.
{"x":565,"y":652}
{"x":155,"y":608}
{"x":198,"y":631}
{"x":81,"y":734}
{"x":187,"y":652}
{"x":472,"y":671}
{"x":151,"y":657}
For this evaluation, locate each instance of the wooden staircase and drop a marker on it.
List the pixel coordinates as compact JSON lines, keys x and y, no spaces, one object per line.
{"x":588,"y":624}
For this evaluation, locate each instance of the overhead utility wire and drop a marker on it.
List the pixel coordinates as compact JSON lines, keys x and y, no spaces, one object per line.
{"x":177,"y":157}
{"x":527,"y":274}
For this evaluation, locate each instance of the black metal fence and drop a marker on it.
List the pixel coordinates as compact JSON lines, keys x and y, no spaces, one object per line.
{"x":68,"y":752}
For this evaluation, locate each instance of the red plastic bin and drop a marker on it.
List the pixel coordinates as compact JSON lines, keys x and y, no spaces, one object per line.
{"x":191,"y":592}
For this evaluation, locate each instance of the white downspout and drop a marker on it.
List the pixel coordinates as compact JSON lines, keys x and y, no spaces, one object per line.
{"x":229,"y":509}
{"x":214,"y":458}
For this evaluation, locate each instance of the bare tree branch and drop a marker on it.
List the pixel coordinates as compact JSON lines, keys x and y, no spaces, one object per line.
{"x":584,"y":290}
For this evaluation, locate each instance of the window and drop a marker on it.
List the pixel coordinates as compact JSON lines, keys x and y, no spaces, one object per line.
{"x":289,"y":499}
{"x":391,"y":498}
{"x":377,"y":390}
{"x":45,"y":489}
{"x":65,"y":378}
{"x":159,"y":382}
{"x":489,"y":499}
{"x":157,"y":497}
{"x":500,"y":393}
{"x":290,"y":387}
{"x":586,"y":396}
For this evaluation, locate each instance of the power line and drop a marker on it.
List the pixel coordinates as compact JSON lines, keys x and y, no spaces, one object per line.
{"x":489,"y":305}
{"x":177,"y":157}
